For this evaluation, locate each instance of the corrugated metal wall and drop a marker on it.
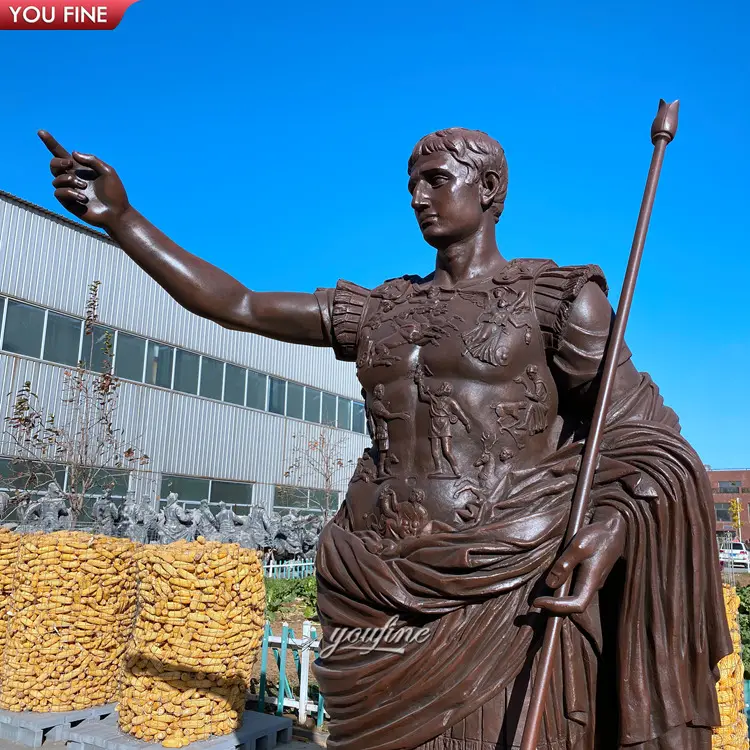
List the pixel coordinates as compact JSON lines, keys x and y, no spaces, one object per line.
{"x":51,"y":263}
{"x":189,"y":435}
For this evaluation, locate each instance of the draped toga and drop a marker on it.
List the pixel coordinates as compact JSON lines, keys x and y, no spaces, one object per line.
{"x":637,"y":669}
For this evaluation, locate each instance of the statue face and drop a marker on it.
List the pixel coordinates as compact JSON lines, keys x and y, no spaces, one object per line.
{"x":447,"y":207}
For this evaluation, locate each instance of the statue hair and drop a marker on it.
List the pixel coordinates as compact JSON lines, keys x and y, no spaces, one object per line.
{"x":472,"y":148}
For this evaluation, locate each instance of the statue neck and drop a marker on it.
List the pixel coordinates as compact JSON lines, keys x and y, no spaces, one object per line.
{"x":474,"y":257}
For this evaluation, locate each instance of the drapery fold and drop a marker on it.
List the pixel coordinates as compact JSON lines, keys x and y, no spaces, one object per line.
{"x":471,"y":586}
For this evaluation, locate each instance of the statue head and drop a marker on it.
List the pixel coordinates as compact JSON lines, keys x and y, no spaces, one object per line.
{"x":378,"y":391}
{"x":445,"y":389}
{"x":172,"y":498}
{"x":458,"y":180}
{"x":532,"y":371}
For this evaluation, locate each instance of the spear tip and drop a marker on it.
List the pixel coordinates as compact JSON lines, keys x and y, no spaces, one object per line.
{"x":665,"y":122}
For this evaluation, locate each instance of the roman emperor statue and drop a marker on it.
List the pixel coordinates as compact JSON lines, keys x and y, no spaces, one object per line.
{"x":479,"y":381}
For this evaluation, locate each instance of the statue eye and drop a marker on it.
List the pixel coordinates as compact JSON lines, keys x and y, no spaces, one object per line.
{"x":438,"y":180}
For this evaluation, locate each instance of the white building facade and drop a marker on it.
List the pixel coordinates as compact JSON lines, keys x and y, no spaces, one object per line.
{"x":221,"y":414}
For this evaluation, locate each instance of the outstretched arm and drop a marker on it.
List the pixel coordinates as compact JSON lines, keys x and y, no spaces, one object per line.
{"x":92,"y":191}
{"x":461,"y":415}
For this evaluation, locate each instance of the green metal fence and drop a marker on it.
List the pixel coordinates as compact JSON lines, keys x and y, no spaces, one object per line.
{"x":304,"y":697}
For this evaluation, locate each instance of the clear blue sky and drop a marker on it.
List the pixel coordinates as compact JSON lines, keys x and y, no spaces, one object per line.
{"x":272,"y":140}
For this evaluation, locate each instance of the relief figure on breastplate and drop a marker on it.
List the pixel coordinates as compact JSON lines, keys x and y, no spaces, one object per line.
{"x":487,"y":465}
{"x":444,"y":413}
{"x":397,"y":520}
{"x":487,"y":341}
{"x":379,"y":415}
{"x":372,"y":353}
{"x":528,"y":417}
{"x":365,"y":471}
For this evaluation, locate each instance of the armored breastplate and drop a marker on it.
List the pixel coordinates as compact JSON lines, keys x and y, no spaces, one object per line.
{"x":457,"y":391}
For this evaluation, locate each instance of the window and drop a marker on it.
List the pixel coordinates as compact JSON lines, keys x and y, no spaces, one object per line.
{"x":738,"y":546}
{"x":159,"y":364}
{"x":290,"y":497}
{"x":23,"y":329}
{"x":745,"y":490}
{"x":312,"y":404}
{"x":344,"y":419}
{"x":186,"y":371}
{"x":97,"y":349}
{"x":256,"y":390}
{"x":302,"y":498}
{"x":320,"y":501}
{"x":212,"y":374}
{"x":358,"y":417}
{"x":215,"y":508}
{"x":295,"y":395}
{"x":21,"y":474}
{"x":117,"y":480}
{"x":328,"y":415}
{"x":129,"y":356}
{"x":187,"y":488}
{"x":729,"y":488}
{"x":234,"y":384}
{"x":722,"y":512}
{"x":62,"y":339}
{"x":276,"y":395}
{"x":232,"y":493}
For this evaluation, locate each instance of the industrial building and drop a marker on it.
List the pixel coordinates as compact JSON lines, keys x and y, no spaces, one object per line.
{"x":221,"y":414}
{"x":730,"y":485}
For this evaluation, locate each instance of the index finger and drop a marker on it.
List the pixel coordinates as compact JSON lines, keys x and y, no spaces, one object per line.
{"x":54,"y":147}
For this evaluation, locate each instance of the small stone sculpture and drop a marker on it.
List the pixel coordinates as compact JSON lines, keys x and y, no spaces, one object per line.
{"x":138,"y":521}
{"x":255,"y":529}
{"x":47,"y":514}
{"x":105,"y":514}
{"x":229,"y":524}
{"x":205,"y":522}
{"x":174,"y":522}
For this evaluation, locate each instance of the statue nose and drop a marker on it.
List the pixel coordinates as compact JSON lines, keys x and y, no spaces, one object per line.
{"x":419,"y":200}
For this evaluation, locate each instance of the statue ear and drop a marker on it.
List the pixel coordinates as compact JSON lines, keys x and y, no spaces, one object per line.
{"x":489,"y":188}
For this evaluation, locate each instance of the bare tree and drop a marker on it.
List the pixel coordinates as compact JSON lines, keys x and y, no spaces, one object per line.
{"x":322,"y":460}
{"x":85,"y":440}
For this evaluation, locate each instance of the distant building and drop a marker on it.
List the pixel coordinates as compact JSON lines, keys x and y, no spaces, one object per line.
{"x":728,"y":485}
{"x":220,"y":412}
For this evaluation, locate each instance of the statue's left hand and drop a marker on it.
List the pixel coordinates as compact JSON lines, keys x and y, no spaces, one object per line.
{"x":591,"y":554}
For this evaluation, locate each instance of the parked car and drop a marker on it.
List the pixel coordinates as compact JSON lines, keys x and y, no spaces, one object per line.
{"x":736,"y":555}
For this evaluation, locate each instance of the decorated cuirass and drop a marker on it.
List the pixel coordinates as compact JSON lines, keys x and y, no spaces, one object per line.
{"x":457,"y":385}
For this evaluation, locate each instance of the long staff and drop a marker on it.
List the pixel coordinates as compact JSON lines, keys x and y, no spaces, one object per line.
{"x":662,"y":132}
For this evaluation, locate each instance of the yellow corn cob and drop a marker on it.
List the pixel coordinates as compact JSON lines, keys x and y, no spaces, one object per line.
{"x":8,"y":553}
{"x":732,"y":734}
{"x":69,"y":618}
{"x":195,"y":641}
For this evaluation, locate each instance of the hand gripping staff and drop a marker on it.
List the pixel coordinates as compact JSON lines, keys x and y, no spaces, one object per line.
{"x":662,"y":132}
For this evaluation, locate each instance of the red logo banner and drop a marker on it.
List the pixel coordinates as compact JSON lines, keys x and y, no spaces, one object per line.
{"x":57,"y":15}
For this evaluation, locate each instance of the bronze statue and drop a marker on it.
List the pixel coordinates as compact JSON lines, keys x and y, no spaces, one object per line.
{"x":516,"y":348}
